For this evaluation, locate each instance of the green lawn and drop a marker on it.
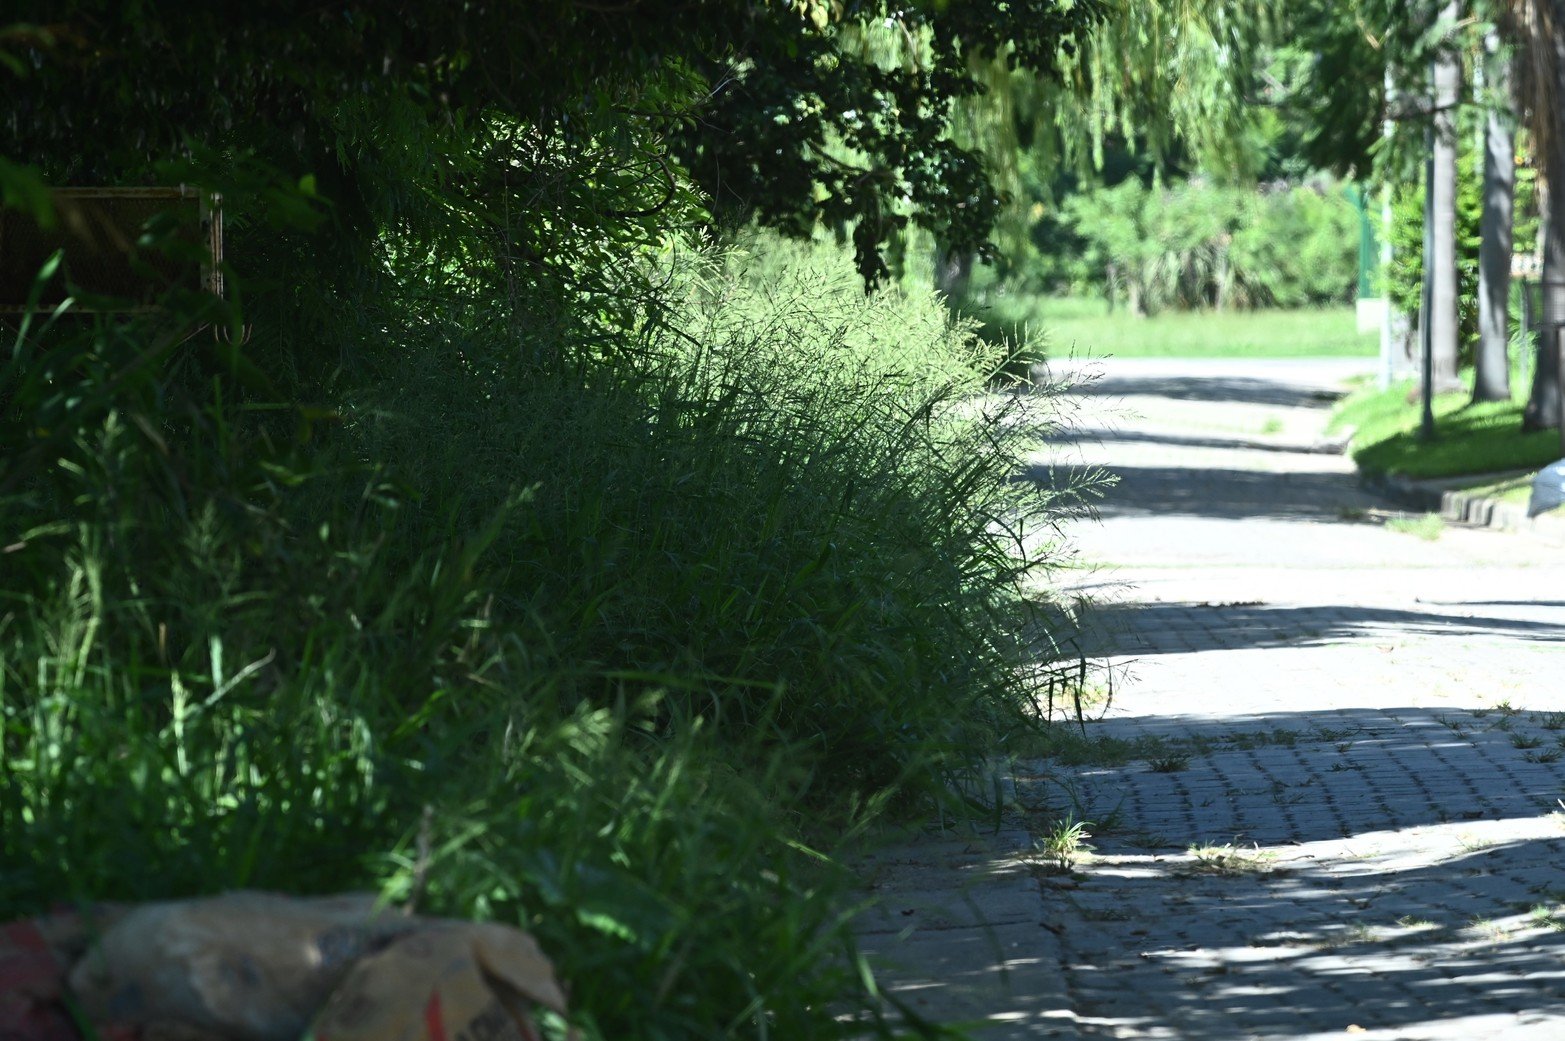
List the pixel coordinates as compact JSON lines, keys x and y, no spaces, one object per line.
{"x":1084,"y":326}
{"x":1469,"y":439}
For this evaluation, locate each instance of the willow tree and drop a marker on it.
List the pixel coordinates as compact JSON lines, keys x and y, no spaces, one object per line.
{"x":1184,"y":75}
{"x":1166,"y":76}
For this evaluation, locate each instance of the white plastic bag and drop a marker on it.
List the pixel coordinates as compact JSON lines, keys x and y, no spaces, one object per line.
{"x":1548,"y":489}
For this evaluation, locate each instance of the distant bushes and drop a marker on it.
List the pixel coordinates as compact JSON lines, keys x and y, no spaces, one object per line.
{"x":1197,"y":244}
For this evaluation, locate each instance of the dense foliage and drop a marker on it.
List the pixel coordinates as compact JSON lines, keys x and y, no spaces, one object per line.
{"x":392,"y":108}
{"x":1370,"y":74}
{"x":1198,"y":244}
{"x":1405,"y":273}
{"x":502,"y":542}
{"x":613,"y":628}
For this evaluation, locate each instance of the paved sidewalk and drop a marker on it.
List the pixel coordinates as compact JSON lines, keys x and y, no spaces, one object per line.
{"x":1324,"y":799}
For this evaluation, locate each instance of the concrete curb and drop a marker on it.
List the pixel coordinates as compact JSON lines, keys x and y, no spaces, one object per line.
{"x":1411,"y":495}
{"x":1457,"y":506}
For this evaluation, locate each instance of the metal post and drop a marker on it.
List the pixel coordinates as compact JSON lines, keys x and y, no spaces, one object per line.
{"x":1559,"y":375}
{"x":1426,"y":423}
{"x":1388,"y":364}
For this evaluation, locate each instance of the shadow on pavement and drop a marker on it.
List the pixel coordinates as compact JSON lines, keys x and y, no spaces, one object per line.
{"x":1245,"y":390}
{"x":1105,"y":435}
{"x":1221,"y":493}
{"x":1177,"y":628}
{"x":1352,"y":967}
{"x":1322,"y":910}
{"x":1313,"y":776}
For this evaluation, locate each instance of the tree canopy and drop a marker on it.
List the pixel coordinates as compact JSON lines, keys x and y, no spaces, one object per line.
{"x":379,"y":105}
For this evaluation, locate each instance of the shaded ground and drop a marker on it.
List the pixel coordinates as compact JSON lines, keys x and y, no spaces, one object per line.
{"x":1324,"y":799}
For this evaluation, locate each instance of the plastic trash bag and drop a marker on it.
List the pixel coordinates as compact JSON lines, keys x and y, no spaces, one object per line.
{"x":35,"y":955}
{"x":253,"y":966}
{"x":246,"y":966}
{"x":1548,"y":489}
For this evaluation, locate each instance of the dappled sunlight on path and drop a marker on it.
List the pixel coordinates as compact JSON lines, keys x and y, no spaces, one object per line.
{"x":1324,"y":797}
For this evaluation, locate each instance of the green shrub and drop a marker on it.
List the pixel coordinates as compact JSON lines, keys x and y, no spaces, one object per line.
{"x":779,"y":507}
{"x":599,"y":648}
{"x":1299,"y":250}
{"x":1198,"y":244}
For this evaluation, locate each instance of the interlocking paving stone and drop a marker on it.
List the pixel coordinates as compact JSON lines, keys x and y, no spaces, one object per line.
{"x":1354,"y":828}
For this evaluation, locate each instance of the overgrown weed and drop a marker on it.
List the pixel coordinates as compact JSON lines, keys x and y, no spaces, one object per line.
{"x":640,"y":634}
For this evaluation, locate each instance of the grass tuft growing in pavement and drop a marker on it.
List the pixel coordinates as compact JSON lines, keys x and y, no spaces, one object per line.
{"x":1230,"y":859}
{"x":1426,"y":526}
{"x":1064,"y":845}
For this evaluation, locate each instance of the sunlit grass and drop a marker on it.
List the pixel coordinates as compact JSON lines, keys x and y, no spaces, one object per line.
{"x":1427,"y":526}
{"x":1469,"y":439}
{"x":1514,"y":490}
{"x":1084,"y":326}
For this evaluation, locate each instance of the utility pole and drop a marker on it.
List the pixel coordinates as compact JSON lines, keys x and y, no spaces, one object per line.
{"x":1440,"y":262}
{"x":1426,"y":337}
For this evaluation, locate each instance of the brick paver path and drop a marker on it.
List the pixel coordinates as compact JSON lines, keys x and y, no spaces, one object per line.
{"x":1325,"y":796}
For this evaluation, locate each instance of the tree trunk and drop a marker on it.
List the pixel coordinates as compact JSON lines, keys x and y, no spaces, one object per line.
{"x":1441,"y":265}
{"x":1543,"y":404}
{"x":953,"y":271}
{"x":1492,"y":377}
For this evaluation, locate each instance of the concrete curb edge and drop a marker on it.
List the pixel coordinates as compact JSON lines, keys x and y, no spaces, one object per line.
{"x":1461,"y":508}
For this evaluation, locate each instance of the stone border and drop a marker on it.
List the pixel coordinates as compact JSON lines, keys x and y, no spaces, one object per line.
{"x":1459,"y":507}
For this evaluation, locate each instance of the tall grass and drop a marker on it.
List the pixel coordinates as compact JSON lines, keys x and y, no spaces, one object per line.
{"x":614,"y":649}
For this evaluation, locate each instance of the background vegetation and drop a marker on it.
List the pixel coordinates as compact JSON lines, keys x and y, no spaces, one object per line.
{"x":1196,"y":244}
{"x":1080,"y":326}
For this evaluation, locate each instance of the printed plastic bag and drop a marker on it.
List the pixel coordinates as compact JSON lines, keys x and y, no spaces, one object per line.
{"x":464,"y":980}
{"x":35,"y":955}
